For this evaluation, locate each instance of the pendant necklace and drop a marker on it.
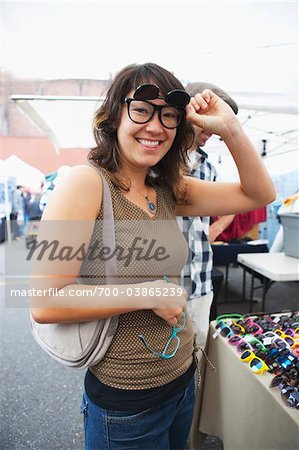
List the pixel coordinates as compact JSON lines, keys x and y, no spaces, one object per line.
{"x":150,"y":205}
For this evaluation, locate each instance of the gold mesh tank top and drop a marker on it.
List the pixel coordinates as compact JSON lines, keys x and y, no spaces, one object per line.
{"x":128,"y":363}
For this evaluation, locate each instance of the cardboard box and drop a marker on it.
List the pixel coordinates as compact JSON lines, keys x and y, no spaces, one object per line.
{"x":290,"y":223}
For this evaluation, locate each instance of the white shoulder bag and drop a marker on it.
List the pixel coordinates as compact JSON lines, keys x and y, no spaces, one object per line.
{"x":83,"y":344}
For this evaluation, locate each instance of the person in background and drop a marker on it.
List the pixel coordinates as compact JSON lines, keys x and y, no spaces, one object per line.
{"x":197,"y":273}
{"x":199,"y":233}
{"x":26,"y":197}
{"x":16,"y":208}
{"x":34,"y":211}
{"x":141,"y":394}
{"x":244,"y":227}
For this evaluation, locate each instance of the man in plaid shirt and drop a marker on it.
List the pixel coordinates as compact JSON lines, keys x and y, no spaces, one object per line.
{"x":197,"y":273}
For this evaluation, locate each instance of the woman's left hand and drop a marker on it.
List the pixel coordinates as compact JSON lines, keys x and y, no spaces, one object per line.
{"x":211,"y":113}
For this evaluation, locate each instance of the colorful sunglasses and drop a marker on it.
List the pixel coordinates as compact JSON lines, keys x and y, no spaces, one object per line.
{"x":291,"y":332}
{"x":289,"y":394}
{"x":264,"y":321}
{"x":224,"y":329}
{"x":279,"y":342}
{"x":237,"y":328}
{"x":283,"y":356}
{"x":270,"y":360}
{"x":255,"y":343}
{"x":288,"y":338}
{"x":290,"y":374}
{"x":256,"y":364}
{"x":240,"y":343}
{"x":251,"y":326}
{"x":229,"y":316}
{"x":172,"y":344}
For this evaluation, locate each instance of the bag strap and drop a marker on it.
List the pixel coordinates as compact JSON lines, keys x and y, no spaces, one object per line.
{"x":111,"y":272}
{"x":108,"y":232}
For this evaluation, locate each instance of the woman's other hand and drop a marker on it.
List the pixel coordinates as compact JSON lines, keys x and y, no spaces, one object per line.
{"x":171,"y":315}
{"x":170,"y":307}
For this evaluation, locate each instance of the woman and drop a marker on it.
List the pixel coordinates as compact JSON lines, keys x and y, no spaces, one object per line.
{"x":141,"y":395}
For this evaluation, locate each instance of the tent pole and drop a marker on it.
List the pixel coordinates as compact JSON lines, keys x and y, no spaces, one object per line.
{"x":7,"y":211}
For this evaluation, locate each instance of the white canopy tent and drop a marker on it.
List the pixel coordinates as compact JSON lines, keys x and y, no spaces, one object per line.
{"x":270,"y":120}
{"x":23,"y":173}
{"x":14,"y":169}
{"x":274,"y":136}
{"x":66,"y":120}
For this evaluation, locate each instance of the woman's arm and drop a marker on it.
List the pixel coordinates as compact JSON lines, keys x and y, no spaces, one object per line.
{"x":64,"y":236}
{"x":255,"y":189}
{"x":69,"y":307}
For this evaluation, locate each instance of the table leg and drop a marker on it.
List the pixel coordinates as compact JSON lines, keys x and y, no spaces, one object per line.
{"x":244,"y":285}
{"x":226,"y":283}
{"x":251,"y":292}
{"x":264,"y":293}
{"x":266,"y":286}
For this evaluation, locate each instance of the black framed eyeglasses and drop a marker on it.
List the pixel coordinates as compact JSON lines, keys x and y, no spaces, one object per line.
{"x":141,"y":110}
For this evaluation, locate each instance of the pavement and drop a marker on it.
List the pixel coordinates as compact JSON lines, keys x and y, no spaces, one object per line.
{"x":40,"y":398}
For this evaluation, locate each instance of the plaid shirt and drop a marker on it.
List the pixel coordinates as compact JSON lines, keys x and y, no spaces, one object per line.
{"x":196,"y":275}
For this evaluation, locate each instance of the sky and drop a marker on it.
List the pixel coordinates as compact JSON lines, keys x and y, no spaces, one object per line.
{"x":240,"y":45}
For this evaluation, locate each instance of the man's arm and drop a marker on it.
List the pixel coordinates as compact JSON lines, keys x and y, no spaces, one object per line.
{"x":219,"y":226}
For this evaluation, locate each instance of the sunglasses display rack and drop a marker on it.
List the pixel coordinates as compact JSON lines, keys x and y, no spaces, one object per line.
{"x":268,"y":343}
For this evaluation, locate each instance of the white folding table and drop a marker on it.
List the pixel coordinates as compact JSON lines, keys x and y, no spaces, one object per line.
{"x":272,"y":267}
{"x":240,"y":408}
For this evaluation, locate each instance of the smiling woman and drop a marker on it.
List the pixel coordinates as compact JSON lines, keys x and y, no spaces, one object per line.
{"x":124,"y":102}
{"x":143,"y":130}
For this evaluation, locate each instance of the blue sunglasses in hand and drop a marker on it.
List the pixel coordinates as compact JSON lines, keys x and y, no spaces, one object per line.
{"x":175,"y":331}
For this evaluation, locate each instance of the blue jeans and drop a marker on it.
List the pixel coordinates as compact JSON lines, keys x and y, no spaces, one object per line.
{"x":162,"y":427}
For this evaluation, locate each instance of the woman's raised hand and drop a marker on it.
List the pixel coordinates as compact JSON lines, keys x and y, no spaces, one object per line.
{"x":211,"y":113}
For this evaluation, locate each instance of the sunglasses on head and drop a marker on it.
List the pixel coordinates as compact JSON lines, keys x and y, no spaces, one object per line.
{"x":176,"y":97}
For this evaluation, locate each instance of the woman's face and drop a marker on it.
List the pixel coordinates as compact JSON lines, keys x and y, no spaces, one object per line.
{"x":143,"y":145}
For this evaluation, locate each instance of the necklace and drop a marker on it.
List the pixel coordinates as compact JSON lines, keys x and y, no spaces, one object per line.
{"x":150,"y":205}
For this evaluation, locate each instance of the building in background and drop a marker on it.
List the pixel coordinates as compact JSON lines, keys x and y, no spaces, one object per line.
{"x":22,"y":137}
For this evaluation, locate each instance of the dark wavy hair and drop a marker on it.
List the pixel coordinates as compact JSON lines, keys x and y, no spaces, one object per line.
{"x":106,"y":154}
